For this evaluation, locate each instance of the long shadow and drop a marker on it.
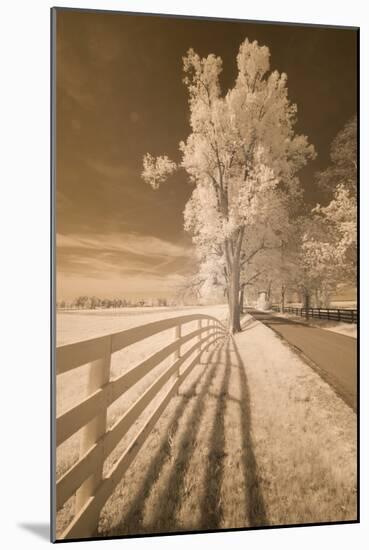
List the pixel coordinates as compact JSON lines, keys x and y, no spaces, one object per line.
{"x":175,"y":485}
{"x":254,"y":497}
{"x":211,"y":504}
{"x":132,"y":521}
{"x":249,"y":324}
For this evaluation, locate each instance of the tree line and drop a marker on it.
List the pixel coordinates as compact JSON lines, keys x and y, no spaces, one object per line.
{"x":93,"y":302}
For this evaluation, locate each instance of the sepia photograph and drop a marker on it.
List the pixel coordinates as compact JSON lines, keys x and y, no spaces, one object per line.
{"x":205,"y":361}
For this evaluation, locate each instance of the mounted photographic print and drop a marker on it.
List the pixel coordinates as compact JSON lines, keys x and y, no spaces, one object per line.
{"x":204,"y":274}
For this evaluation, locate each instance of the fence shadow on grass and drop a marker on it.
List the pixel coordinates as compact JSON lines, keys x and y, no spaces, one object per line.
{"x":212,"y":505}
{"x":131,"y":522}
{"x":255,"y":502}
{"x":165,"y":517}
{"x":248,"y":324}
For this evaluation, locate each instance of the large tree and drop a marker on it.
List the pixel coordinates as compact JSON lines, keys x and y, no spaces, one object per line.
{"x":242,"y":153}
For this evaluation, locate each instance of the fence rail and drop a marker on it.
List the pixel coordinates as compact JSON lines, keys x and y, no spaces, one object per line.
{"x":85,"y":478}
{"x":342,"y":315}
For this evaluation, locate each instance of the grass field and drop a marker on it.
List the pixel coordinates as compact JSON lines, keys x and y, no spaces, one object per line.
{"x":254,"y":437}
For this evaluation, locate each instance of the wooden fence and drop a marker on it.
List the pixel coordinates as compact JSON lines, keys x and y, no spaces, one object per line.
{"x":85,"y":478}
{"x":343,"y":315}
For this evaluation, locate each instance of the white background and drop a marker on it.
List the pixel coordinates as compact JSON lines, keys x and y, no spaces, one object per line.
{"x":24,"y":315}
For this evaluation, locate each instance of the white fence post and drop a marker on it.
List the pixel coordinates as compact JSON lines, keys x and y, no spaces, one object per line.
{"x":99,"y":373}
{"x":177,"y":353}
{"x":177,"y":335}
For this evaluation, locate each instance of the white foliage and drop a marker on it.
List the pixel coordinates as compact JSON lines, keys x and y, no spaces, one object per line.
{"x":156,"y":170}
{"x":242,"y":156}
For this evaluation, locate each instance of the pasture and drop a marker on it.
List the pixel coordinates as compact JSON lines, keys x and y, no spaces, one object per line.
{"x":253,"y":437}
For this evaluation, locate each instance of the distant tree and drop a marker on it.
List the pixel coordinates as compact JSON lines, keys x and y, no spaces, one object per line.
{"x":329,"y":245}
{"x":81,"y":301}
{"x":188,"y":289}
{"x":94,"y":302}
{"x":242,"y":149}
{"x":285,"y":278}
{"x":342,"y":171}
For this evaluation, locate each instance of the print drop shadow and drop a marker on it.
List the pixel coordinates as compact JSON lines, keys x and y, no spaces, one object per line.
{"x":41,"y":530}
{"x":131,"y":522}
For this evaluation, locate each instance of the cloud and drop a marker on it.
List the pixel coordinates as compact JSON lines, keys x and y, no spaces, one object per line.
{"x":119,"y":264}
{"x":139,"y":245}
{"x":119,"y":171}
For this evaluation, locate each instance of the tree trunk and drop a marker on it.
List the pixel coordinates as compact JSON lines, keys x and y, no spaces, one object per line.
{"x":242,"y":293}
{"x":307,"y":304}
{"x":233,"y":251}
{"x":233,"y":301}
{"x":283,"y":291}
{"x":269,"y":291}
{"x":317,"y":299}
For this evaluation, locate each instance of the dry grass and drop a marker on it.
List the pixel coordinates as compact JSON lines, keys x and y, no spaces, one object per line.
{"x":304,"y":435}
{"x":250,"y":441}
{"x":254,"y":437}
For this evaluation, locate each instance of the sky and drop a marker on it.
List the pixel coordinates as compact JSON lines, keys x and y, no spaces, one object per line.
{"x":119,"y":94}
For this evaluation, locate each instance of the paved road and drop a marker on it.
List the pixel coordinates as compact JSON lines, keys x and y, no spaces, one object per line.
{"x":334,"y":354}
